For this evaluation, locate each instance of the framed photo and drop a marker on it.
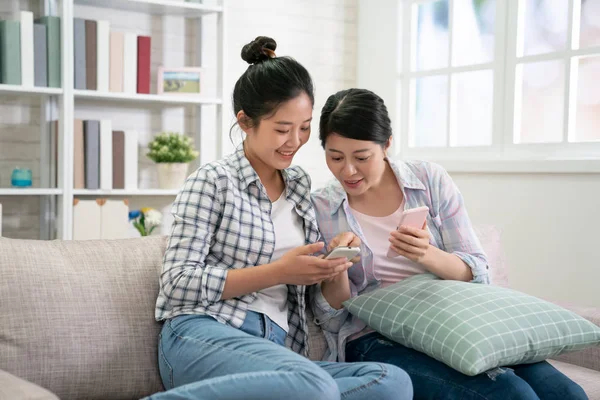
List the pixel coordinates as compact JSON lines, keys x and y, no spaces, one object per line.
{"x":179,"y":81}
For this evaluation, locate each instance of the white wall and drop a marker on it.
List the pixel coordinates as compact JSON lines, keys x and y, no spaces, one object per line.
{"x":550,"y":222}
{"x":551,"y":229}
{"x":319,"y":34}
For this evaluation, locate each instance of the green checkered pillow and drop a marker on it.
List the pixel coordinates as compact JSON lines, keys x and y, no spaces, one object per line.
{"x":472,"y":327}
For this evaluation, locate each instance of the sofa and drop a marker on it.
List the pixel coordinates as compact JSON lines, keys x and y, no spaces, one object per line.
{"x":79,"y":319}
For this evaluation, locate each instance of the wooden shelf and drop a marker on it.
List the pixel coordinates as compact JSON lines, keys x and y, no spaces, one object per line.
{"x":29,"y":192}
{"x":33,"y":90}
{"x":126,"y":192}
{"x":144,"y":98}
{"x":155,"y":7}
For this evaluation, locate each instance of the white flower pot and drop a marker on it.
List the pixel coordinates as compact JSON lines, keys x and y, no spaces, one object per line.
{"x":172,"y":175}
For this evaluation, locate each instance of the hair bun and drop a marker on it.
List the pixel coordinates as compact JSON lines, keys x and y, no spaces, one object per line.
{"x":260,"y":49}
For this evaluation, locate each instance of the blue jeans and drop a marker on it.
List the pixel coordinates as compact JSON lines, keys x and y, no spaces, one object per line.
{"x":200,"y":358}
{"x":433,"y":379}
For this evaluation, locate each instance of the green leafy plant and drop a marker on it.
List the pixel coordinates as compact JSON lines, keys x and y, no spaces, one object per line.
{"x":171,"y":147}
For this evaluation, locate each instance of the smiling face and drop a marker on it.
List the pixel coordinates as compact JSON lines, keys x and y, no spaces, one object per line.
{"x":276,"y":139}
{"x":358,"y":165}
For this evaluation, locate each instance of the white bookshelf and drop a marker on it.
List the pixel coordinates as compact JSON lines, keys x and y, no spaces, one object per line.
{"x":156,"y":7}
{"x":30,"y":192}
{"x":60,"y":103}
{"x":126,"y":192}
{"x":31,"y":90}
{"x":145,"y":98}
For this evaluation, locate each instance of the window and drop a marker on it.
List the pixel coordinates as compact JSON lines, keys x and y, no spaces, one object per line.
{"x":500,"y":79}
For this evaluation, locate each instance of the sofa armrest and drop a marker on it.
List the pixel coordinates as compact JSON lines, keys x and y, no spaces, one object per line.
{"x":590,"y":357}
{"x":15,"y":388}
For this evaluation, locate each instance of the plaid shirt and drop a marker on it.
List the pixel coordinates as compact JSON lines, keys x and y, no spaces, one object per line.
{"x":222,"y":222}
{"x":423,"y":184}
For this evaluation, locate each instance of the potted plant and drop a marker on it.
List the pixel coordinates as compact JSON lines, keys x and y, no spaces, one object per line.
{"x":172,"y":152}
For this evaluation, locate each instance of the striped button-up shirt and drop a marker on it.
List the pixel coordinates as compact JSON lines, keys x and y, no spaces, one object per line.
{"x":423,"y":184}
{"x":222,"y":221}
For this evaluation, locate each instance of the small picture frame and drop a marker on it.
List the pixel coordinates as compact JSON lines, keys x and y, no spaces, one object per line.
{"x":184,"y":81}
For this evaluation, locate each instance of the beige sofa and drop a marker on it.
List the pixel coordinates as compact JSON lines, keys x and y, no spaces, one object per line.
{"x":78,"y":320}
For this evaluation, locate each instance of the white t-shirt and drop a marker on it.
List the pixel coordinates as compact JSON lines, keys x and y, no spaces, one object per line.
{"x":289,"y":233}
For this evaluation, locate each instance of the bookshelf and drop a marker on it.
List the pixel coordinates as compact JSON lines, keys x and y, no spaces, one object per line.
{"x":156,"y":7}
{"x":30,"y":192}
{"x":125,"y":192}
{"x":57,"y":194}
{"x":32,"y":90}
{"x":144,"y":98}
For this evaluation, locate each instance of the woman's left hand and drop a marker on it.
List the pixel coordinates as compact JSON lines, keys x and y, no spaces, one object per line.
{"x":412,"y":243}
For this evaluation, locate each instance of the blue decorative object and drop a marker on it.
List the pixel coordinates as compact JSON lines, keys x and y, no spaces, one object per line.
{"x":21,"y":177}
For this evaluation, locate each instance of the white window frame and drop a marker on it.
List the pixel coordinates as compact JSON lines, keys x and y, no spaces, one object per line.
{"x":502,"y":155}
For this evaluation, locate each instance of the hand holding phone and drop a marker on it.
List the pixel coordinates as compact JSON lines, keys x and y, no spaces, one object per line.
{"x":343,"y":251}
{"x":414,"y":218}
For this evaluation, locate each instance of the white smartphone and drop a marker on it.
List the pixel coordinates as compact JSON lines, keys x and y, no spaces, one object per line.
{"x":343,"y":251}
{"x":415,"y":218}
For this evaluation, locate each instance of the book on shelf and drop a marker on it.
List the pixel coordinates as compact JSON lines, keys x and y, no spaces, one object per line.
{"x":131,"y":160}
{"x":130,"y":63}
{"x":10,"y":52}
{"x":0,"y":219}
{"x":143,"y":64}
{"x":53,"y":49}
{"x":106,"y":155}
{"x":79,"y":53}
{"x":78,"y":155}
{"x":103,"y":55}
{"x":40,"y":55}
{"x":91,"y":55}
{"x":91,"y":140}
{"x":117,"y":42}
{"x":26,"y":40}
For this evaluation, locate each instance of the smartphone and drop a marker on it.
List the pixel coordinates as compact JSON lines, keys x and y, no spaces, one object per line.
{"x":415,"y":218}
{"x":343,"y":251}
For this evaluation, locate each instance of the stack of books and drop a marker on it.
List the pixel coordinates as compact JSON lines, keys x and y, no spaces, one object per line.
{"x":112,"y":61}
{"x":103,"y":158}
{"x":30,"y":51}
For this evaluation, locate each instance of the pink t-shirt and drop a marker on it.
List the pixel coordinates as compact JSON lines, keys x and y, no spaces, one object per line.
{"x":377,"y":231}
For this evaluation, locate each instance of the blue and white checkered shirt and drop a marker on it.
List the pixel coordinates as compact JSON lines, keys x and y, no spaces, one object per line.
{"x":222,"y":222}
{"x":423,"y":184}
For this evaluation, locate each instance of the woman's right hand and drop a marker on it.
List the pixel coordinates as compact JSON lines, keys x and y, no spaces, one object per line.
{"x":299,"y":267}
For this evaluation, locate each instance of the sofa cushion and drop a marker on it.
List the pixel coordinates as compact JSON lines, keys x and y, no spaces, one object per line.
{"x":470,"y":327}
{"x":79,"y":315}
{"x":12,"y":387}
{"x":489,"y":236}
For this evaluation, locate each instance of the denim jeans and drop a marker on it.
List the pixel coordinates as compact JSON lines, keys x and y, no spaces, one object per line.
{"x":200,"y":358}
{"x":433,"y":379}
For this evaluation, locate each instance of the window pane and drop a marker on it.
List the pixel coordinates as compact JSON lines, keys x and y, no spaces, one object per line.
{"x":430,"y":35}
{"x":539,"y":102}
{"x":546,"y":24}
{"x":473,"y":31}
{"x":472,"y":108}
{"x":429,"y":111}
{"x":587,"y":126}
{"x":590,"y":23}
